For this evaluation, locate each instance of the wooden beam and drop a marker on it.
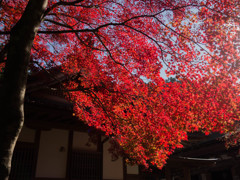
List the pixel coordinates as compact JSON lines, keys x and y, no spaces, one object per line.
{"x":181,"y":162}
{"x":210,"y":149}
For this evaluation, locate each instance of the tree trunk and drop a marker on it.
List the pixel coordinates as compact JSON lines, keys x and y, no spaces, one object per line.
{"x":13,"y":86}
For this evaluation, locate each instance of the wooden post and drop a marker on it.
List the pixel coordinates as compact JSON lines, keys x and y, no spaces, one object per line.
{"x":37,"y":144}
{"x":124,"y":168}
{"x":208,"y":176}
{"x":100,"y":149}
{"x":187,"y":174}
{"x":168,"y":173}
{"x":69,"y":154}
{"x":235,"y":174}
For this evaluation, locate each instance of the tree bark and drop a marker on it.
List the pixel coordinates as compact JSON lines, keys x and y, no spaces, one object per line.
{"x":13,"y":86}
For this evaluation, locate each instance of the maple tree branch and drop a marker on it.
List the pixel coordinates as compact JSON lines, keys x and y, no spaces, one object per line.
{"x":190,"y":39}
{"x":110,"y":54}
{"x":104,"y":25}
{"x":98,"y":5}
{"x":69,"y":16}
{"x":155,"y":41}
{"x":58,"y":23}
{"x":65,"y":31}
{"x":101,"y":26}
{"x":60,"y":3}
{"x":179,"y":34}
{"x":149,"y":37}
{"x":45,"y":39}
{"x":99,"y":102}
{"x":70,"y":27}
{"x":85,"y":30}
{"x":81,"y":41}
{"x":108,"y":24}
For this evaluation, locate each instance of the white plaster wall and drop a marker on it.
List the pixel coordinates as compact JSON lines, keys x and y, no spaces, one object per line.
{"x":27,"y":135}
{"x":80,"y":141}
{"x":132,"y":169}
{"x":51,"y":160}
{"x":111,"y":169}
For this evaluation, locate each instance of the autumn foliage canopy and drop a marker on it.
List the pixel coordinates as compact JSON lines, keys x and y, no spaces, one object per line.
{"x":117,"y":55}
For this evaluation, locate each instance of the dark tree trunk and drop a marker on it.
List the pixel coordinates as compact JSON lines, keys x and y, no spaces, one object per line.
{"x":13,"y":86}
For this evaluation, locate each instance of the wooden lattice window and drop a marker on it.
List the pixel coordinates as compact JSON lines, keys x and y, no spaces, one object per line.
{"x":23,"y":162}
{"x":85,"y":165}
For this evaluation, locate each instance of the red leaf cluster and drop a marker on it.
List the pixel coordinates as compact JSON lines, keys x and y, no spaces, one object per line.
{"x":115,"y":54}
